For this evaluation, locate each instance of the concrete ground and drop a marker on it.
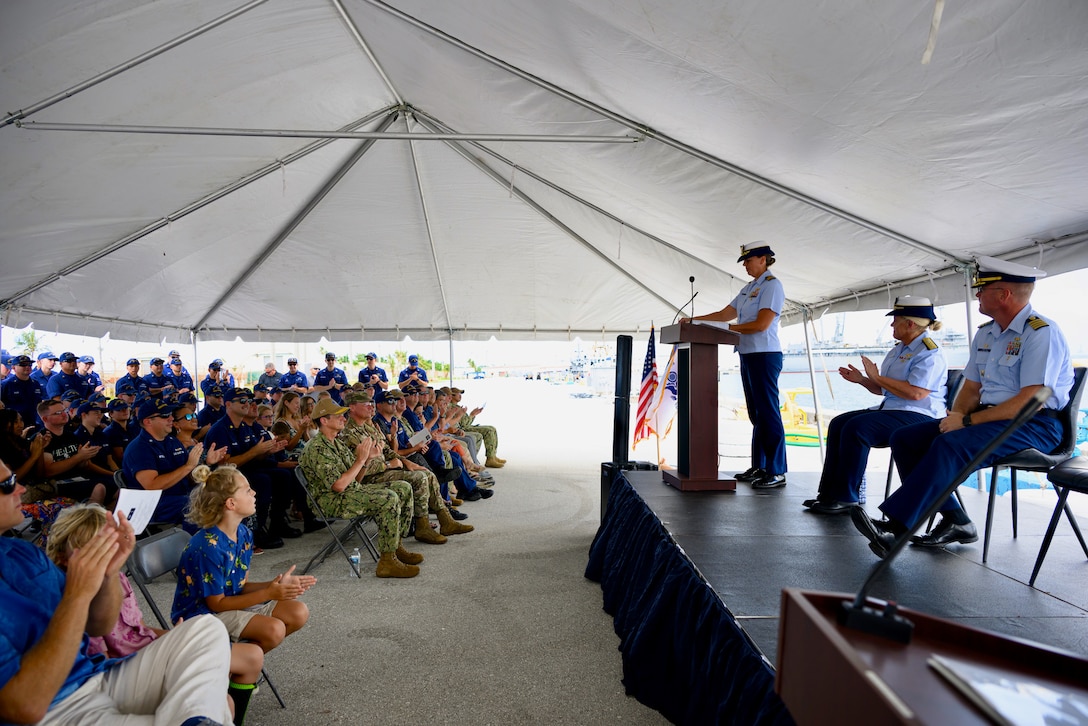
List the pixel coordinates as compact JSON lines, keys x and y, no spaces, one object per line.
{"x":500,"y":627}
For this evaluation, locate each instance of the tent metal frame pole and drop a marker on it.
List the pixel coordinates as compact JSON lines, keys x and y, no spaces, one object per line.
{"x":805,"y":322}
{"x":427,"y":224}
{"x":574,"y":197}
{"x":663,"y":138}
{"x":539,"y":209}
{"x":295,"y":221}
{"x":317,"y":133}
{"x":451,"y":357}
{"x":277,"y":165}
{"x":354,"y":30}
{"x":132,"y":63}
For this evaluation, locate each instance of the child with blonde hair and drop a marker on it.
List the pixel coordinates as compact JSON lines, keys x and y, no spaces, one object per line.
{"x":213,"y":576}
{"x":74,"y":528}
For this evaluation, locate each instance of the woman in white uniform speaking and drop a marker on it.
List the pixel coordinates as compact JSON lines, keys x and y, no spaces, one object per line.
{"x":756,"y":310}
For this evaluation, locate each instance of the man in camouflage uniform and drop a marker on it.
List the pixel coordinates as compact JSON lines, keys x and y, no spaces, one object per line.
{"x":335,"y":473}
{"x":489,"y":433}
{"x":425,"y":490}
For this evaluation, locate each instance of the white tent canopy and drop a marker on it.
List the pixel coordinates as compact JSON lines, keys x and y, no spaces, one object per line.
{"x":129,"y":207}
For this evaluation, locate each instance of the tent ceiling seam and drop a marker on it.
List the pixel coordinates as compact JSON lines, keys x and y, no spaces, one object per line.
{"x":649,"y":132}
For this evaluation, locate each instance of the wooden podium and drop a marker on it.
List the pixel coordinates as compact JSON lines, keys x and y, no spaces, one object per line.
{"x":829,"y":673}
{"x":697,"y":406}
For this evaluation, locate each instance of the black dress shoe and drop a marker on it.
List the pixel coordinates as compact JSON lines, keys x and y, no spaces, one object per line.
{"x":751,"y":474}
{"x":947,"y":533}
{"x":266,"y":541}
{"x":833,"y":507}
{"x":880,"y":536}
{"x":808,"y":503}
{"x":282,"y":529}
{"x":473,"y":496}
{"x":769,"y":481}
{"x":485,"y":493}
{"x":459,"y":516}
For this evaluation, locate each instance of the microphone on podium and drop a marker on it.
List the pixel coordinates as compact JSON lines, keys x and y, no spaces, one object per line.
{"x":680,"y":310}
{"x":887,"y":622}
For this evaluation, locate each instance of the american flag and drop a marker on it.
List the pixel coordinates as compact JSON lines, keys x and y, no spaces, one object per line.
{"x":643,"y":428}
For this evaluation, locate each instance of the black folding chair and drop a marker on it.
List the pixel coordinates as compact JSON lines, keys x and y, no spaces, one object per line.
{"x":355,"y":526}
{"x":154,"y":557}
{"x":1035,"y":460}
{"x":1069,"y":476}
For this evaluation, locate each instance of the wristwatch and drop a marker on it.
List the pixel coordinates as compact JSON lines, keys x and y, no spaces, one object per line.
{"x":966,"y":419}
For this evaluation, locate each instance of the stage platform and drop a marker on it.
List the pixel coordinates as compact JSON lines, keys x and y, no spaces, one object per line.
{"x":749,"y":545}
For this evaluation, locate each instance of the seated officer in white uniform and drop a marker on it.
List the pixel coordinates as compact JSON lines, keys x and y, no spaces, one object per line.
{"x":911,"y":381}
{"x":1012,"y":357}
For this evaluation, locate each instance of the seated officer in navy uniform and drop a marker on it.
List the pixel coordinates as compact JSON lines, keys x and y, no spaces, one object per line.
{"x":1012,"y":357}
{"x":331,"y":379}
{"x":293,"y":379}
{"x":67,"y":379}
{"x":121,"y":428}
{"x":911,"y":380}
{"x":157,"y":461}
{"x":131,"y":378}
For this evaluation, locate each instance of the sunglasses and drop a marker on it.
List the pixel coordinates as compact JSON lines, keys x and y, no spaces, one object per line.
{"x":8,"y":485}
{"x":186,"y":417}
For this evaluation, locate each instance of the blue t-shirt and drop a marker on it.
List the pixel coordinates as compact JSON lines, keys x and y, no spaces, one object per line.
{"x":30,"y":589}
{"x":212,"y":564}
{"x":763,"y":293}
{"x":324,"y":377}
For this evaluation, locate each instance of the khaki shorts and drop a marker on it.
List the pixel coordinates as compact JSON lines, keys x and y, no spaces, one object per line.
{"x":237,"y":620}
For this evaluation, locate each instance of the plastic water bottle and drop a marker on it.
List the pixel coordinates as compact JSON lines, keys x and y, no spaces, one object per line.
{"x":356,"y":559}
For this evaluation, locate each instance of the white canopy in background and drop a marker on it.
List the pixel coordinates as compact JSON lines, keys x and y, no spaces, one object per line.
{"x":814,"y":126}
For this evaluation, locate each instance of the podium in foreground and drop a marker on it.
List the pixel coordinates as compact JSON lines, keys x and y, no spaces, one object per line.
{"x":827,"y":671}
{"x":697,"y":406}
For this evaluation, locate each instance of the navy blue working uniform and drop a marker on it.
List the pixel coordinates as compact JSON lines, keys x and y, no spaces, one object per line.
{"x":61,"y":382}
{"x":136,"y":382}
{"x":145,"y":453}
{"x":298,"y":378}
{"x":366,"y":373}
{"x":921,"y":363}
{"x":157,"y":381}
{"x":1032,"y":351}
{"x":38,"y":375}
{"x":209,"y":415}
{"x":181,"y":381}
{"x":209,"y":383}
{"x":22,"y":396}
{"x":760,"y":364}
{"x":93,"y":380}
{"x":324,"y":377}
{"x":237,"y":440}
{"x":407,"y":373}
{"x":118,"y":436}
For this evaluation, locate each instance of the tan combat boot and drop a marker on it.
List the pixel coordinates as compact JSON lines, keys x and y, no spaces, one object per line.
{"x":449,"y":525}
{"x":425,"y":534}
{"x":408,"y":558}
{"x":390,"y":566}
{"x":493,"y":463}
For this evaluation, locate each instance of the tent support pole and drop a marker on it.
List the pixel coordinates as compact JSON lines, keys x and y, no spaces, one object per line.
{"x":516,"y":191}
{"x":427,"y":223}
{"x":806,"y":321}
{"x":132,"y":63}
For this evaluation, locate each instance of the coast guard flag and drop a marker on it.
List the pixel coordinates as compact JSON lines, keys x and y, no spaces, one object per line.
{"x":646,"y":393}
{"x":664,"y":412}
